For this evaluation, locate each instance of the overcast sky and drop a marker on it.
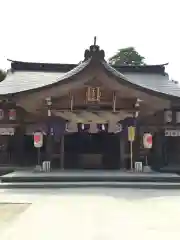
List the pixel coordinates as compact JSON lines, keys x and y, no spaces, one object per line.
{"x":59,"y":31}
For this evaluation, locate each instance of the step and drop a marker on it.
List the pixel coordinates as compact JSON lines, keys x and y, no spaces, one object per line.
{"x":51,"y":185}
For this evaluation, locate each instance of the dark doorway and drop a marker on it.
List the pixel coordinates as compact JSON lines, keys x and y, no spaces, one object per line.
{"x":172,"y":150}
{"x":92,"y":151}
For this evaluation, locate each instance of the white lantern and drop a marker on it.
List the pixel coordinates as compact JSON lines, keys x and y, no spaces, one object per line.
{"x":168,"y":116}
{"x":177,"y":117}
{"x":38,"y":139}
{"x":103,"y":127}
{"x":147,"y":140}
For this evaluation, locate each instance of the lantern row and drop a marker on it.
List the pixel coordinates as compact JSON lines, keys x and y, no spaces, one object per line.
{"x":11,"y":114}
{"x":87,"y":128}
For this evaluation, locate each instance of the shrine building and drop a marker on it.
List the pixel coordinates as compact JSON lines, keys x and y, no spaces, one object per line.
{"x":84,"y":112}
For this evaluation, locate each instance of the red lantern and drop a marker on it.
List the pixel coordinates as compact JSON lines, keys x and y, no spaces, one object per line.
{"x":38,"y":139}
{"x":147,"y":140}
{"x":12,"y":114}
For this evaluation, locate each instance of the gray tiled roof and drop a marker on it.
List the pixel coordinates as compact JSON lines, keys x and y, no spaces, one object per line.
{"x":155,"y":82}
{"x":20,"y":81}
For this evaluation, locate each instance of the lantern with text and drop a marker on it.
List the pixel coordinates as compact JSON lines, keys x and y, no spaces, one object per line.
{"x":147,"y":140}
{"x":1,"y":114}
{"x":12,"y":114}
{"x":38,"y":139}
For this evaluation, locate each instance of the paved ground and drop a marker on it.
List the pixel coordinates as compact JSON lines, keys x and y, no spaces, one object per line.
{"x":106,"y":214}
{"x":9,"y":212}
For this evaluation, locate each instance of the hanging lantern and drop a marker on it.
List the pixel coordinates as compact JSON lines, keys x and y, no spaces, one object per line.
{"x":102,"y":127}
{"x":12,"y":114}
{"x":177,"y":117}
{"x":1,"y":114}
{"x":83,"y":127}
{"x":67,"y":127}
{"x":147,"y":140}
{"x":168,"y":116}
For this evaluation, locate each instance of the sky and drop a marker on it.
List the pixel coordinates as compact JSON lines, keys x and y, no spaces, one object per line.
{"x":59,"y":31}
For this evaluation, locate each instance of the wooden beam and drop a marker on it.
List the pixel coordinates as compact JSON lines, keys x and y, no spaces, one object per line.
{"x":114,"y":101}
{"x":72,"y":102}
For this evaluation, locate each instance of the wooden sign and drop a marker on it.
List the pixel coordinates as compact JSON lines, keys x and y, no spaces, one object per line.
{"x":6,"y":131}
{"x":172,"y":133}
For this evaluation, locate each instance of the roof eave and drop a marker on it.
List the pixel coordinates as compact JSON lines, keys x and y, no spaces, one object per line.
{"x":123,"y":80}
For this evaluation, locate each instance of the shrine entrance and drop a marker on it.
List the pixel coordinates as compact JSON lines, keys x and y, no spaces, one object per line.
{"x":92,"y":151}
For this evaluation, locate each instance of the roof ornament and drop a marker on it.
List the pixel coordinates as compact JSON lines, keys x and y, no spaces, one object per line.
{"x":94,"y":52}
{"x":95,"y":41}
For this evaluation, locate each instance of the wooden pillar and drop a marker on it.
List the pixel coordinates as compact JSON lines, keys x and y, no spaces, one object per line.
{"x":49,"y":136}
{"x":62,"y":152}
{"x":122,"y":151}
{"x":49,"y":148}
{"x":114,"y":102}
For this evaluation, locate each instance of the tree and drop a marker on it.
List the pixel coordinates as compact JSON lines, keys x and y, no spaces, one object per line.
{"x":2,"y":75}
{"x":127,"y":56}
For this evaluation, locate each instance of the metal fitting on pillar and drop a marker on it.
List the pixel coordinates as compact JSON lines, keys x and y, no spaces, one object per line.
{"x":137,"y":106}
{"x":49,"y":103}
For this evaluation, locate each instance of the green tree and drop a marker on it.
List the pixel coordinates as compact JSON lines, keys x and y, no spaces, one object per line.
{"x":2,"y":75}
{"x":127,"y":56}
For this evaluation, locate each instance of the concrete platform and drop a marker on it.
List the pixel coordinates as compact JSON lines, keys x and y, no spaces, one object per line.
{"x":88,"y":176}
{"x":87,"y":185}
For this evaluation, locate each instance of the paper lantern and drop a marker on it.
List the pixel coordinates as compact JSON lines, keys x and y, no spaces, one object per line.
{"x":38,"y":139}
{"x":102,"y":127}
{"x":83,"y":127}
{"x":147,"y":140}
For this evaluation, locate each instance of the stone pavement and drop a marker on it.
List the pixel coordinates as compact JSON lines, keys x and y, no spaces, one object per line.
{"x":96,"y":214}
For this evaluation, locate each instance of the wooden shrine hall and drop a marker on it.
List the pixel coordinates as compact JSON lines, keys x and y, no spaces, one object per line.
{"x":84,"y":111}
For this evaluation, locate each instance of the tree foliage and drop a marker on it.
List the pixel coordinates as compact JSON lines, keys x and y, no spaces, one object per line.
{"x":2,"y":75}
{"x":127,"y":56}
